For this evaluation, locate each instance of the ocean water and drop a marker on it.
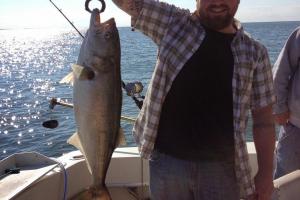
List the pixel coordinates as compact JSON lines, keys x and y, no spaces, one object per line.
{"x":33,"y":61}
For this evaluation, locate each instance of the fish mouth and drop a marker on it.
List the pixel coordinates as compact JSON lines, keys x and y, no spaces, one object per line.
{"x":97,"y":19}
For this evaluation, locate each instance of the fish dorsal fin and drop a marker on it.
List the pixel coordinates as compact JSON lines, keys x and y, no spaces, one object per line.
{"x":83,"y":73}
{"x":121,"y":140}
{"x":67,"y":79}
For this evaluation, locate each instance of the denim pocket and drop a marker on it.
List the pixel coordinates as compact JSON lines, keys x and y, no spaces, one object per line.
{"x":285,"y":131}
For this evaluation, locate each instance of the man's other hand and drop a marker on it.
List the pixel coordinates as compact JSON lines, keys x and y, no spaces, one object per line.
{"x":282,"y":118}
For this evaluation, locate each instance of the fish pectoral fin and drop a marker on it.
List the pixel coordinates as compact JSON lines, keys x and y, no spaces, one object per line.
{"x":83,"y":73}
{"x":75,"y":141}
{"x":67,"y":79}
{"x":121,"y":140}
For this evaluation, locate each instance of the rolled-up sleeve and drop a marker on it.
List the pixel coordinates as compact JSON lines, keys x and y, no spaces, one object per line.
{"x":262,"y":86}
{"x":155,"y":18}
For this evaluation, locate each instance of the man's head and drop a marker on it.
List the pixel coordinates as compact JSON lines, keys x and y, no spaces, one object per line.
{"x":217,"y":14}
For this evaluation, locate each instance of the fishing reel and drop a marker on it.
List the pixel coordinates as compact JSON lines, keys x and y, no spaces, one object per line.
{"x":134,"y":90}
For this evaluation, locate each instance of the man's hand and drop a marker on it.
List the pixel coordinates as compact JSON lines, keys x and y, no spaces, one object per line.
{"x":264,"y":186}
{"x":282,"y":118}
{"x":131,"y":7}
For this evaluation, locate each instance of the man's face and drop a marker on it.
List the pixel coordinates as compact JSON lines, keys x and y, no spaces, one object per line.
{"x":217,"y":14}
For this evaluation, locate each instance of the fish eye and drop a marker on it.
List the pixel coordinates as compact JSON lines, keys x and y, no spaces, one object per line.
{"x":91,"y":75}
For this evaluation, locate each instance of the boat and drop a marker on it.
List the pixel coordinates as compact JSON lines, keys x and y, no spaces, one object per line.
{"x":32,"y":176}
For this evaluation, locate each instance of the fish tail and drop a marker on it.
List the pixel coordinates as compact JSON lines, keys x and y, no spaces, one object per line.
{"x":93,"y":193}
{"x":101,"y":194}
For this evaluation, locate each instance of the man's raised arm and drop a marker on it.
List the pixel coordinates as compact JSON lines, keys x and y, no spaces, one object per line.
{"x":131,"y":7}
{"x":150,"y":17}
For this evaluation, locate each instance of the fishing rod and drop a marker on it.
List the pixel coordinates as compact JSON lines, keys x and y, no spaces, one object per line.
{"x":86,"y":8}
{"x":60,"y":10}
{"x":132,"y":89}
{"x":54,"y":123}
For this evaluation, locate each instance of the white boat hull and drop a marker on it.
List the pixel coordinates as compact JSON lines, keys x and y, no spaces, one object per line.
{"x":127,"y":178}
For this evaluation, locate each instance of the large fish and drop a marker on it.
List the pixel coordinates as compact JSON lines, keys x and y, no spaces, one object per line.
{"x":97,"y":100}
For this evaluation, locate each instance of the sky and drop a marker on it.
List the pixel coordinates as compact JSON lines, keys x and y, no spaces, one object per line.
{"x":42,"y":14}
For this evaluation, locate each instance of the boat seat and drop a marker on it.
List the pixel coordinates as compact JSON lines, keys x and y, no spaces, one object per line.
{"x":287,"y":187}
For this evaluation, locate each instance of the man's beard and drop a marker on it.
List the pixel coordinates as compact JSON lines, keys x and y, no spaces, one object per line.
{"x":216,"y":22}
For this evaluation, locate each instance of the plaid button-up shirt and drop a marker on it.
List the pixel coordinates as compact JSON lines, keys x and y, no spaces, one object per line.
{"x":178,"y":34}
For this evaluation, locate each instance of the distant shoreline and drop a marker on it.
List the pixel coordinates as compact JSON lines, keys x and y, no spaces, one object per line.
{"x":45,"y":28}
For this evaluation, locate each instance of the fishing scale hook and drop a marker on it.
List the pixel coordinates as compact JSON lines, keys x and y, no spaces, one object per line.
{"x":89,"y":10}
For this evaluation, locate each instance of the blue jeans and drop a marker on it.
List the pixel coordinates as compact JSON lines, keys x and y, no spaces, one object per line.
{"x":175,"y":179}
{"x":287,"y":151}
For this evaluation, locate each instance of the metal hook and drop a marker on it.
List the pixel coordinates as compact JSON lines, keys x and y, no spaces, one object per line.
{"x":88,"y":9}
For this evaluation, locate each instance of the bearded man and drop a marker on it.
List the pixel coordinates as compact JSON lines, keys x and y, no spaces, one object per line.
{"x":209,"y":74}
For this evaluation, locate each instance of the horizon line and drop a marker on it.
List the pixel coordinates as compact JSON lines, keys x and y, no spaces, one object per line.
{"x":24,"y":28}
